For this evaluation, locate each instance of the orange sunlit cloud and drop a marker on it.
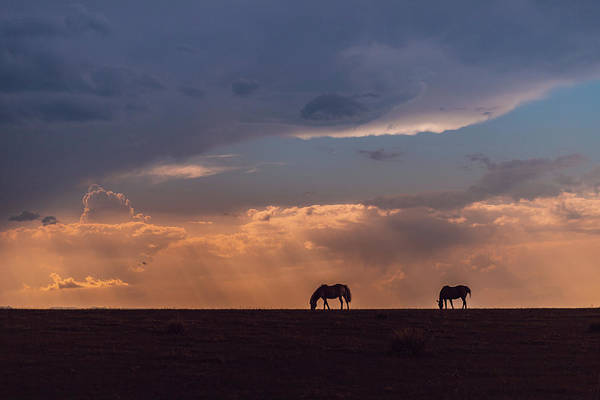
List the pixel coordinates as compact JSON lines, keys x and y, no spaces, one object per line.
{"x":89,"y":282}
{"x":512,"y":253}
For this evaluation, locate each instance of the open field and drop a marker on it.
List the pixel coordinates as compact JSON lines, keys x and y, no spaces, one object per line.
{"x":473,"y":354}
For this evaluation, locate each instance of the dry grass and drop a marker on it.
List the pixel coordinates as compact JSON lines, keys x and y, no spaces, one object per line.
{"x":381,"y":316}
{"x":175,"y":327}
{"x":409,"y":341}
{"x":295,"y":354}
{"x":594,"y":327}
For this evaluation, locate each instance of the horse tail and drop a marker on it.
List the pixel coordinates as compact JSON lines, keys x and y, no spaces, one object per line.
{"x":469,"y":291}
{"x":348,"y":294}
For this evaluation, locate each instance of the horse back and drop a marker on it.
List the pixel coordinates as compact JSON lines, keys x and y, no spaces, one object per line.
{"x":333,"y":291}
{"x":452,"y":292}
{"x":463,"y":290}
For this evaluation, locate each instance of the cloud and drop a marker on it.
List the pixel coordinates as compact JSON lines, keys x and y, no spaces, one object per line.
{"x":379,"y":155}
{"x":191,"y":91}
{"x":30,"y":62}
{"x":193,"y":168}
{"x":202,"y":222}
{"x":185,"y":48}
{"x":24,"y":216}
{"x":511,"y":252}
{"x":403,"y":257}
{"x":60,"y":109}
{"x":404,"y":69}
{"x":70,"y":111}
{"x":182,"y":171}
{"x":81,"y":20}
{"x":29,"y":70}
{"x":506,"y":177}
{"x":101,"y":205}
{"x":78,"y":21}
{"x":89,"y":283}
{"x":112,"y":81}
{"x":329,"y":107}
{"x":31,"y":216}
{"x":509,"y":178}
{"x":49,"y":220}
{"x":80,"y":250}
{"x":566,"y":212}
{"x":26,"y":69}
{"x":244,"y":87}
{"x":41,"y":82}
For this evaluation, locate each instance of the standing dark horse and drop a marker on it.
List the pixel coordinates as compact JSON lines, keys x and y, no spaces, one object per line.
{"x":331,"y":292}
{"x":453,"y":292}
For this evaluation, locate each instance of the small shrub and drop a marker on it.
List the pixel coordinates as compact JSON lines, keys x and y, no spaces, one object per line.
{"x":594,"y":327}
{"x":409,"y":341}
{"x":175,"y":327}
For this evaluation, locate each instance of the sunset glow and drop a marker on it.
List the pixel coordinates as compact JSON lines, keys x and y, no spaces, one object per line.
{"x":188,"y":162}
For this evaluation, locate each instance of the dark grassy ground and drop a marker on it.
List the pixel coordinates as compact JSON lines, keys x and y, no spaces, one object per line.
{"x":170,"y":354}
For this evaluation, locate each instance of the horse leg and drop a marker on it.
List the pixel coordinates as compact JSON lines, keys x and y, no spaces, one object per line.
{"x":446,"y":303}
{"x":326,"y":304}
{"x":341,"y":303}
{"x":464,"y":299}
{"x":451,"y":304}
{"x":347,"y":305}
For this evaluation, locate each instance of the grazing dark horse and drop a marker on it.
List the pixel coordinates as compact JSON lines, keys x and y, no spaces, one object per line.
{"x":453,"y":292}
{"x":331,"y":292}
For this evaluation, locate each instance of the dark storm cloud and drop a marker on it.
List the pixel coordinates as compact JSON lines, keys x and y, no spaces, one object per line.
{"x":78,"y":21}
{"x":24,"y":69}
{"x":25,"y":216}
{"x":185,"y":48}
{"x":49,"y":220}
{"x":70,"y":111}
{"x":515,"y":178}
{"x":82,"y":20}
{"x":32,"y":59}
{"x":31,"y":71}
{"x":110,"y":81}
{"x":191,"y":91}
{"x":31,"y":27}
{"x":379,"y":155}
{"x":244,"y":87}
{"x":57,"y":109}
{"x":331,"y":107}
{"x":396,"y":68}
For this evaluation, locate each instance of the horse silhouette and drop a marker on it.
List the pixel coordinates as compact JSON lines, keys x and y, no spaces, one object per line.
{"x":453,"y":292}
{"x":331,"y":292}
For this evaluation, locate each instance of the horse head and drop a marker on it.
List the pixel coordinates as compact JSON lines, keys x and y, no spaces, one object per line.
{"x":313,"y":304}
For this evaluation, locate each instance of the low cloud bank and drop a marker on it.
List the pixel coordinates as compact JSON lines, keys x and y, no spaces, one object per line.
{"x":512,"y":252}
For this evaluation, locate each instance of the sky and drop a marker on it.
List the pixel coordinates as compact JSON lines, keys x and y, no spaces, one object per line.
{"x":235,"y":154}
